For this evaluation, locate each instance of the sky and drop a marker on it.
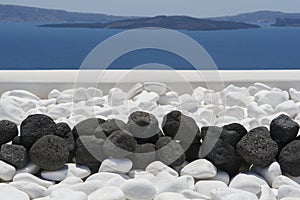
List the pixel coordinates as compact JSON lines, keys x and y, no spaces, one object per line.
{"x":195,"y":8}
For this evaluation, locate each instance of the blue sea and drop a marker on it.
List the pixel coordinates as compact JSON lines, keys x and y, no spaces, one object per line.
{"x":26,"y":46}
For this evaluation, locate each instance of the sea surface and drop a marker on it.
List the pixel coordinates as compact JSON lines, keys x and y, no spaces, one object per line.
{"x":26,"y":46}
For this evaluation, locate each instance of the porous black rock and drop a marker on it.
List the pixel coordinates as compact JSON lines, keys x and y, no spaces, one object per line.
{"x":113,"y":125}
{"x":143,"y":126}
{"x":192,"y":152}
{"x":119,"y":144}
{"x":144,"y":154}
{"x":91,"y":126}
{"x":64,"y":131}
{"x":257,"y":148}
{"x":181,"y":127}
{"x":170,"y":152}
{"x":289,"y":158}
{"x":34,"y":127}
{"x":89,"y":151}
{"x":8,"y":131}
{"x":218,"y":144}
{"x":233,"y":166}
{"x":153,"y":139}
{"x":238,"y":128}
{"x":261,"y":130}
{"x":15,"y":155}
{"x":50,"y":152}
{"x":283,"y":129}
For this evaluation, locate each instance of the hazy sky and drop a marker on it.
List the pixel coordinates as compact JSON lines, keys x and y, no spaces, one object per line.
{"x":196,"y":8}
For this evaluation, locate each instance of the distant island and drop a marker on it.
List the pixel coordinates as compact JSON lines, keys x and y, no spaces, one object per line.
{"x":170,"y":22}
{"x":12,"y":13}
{"x":285,"y":22}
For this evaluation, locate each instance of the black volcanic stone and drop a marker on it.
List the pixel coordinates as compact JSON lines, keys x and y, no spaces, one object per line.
{"x":181,"y":127}
{"x":240,"y":129}
{"x":144,"y":155}
{"x":64,"y":131}
{"x":34,"y":127}
{"x":113,"y":125}
{"x":233,"y":166}
{"x":152,"y":139}
{"x":15,"y":155}
{"x":257,"y":148}
{"x":261,"y":130}
{"x":89,"y":151}
{"x":170,"y":152}
{"x":49,"y":153}
{"x":119,"y":144}
{"x":289,"y":158}
{"x":8,"y":131}
{"x":283,"y":129}
{"x":91,"y":126}
{"x":192,"y":152}
{"x":143,"y":126}
{"x":218,"y":144}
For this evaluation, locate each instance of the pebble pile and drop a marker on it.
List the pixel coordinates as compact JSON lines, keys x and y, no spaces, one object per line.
{"x":151,"y":144}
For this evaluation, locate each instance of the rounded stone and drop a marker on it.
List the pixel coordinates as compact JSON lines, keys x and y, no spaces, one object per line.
{"x":238,"y":128}
{"x":283,"y":129}
{"x":8,"y":131}
{"x":15,"y":155}
{"x":257,"y":149}
{"x":144,"y":155}
{"x":113,"y":125}
{"x":34,"y":127}
{"x":289,"y":158}
{"x":64,"y":131}
{"x":49,"y":152}
{"x":142,"y":125}
{"x":181,"y":127}
{"x":119,"y":145}
{"x":91,"y":126}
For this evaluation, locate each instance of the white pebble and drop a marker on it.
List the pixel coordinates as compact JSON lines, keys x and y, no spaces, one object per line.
{"x":283,"y":180}
{"x":205,"y":186}
{"x":221,"y":176}
{"x":138,"y":189}
{"x":116,"y":165}
{"x":115,"y":97}
{"x":267,"y":193}
{"x":234,"y":111}
{"x":57,"y":175}
{"x":80,"y":171}
{"x":201,"y":169}
{"x":8,"y":192}
{"x":169,"y":97}
{"x":7,"y":171}
{"x":288,"y":191}
{"x":269,"y":173}
{"x":169,"y":196}
{"x":289,"y":107}
{"x":30,"y":168}
{"x":146,"y":96}
{"x":107,"y":193}
{"x":156,"y":167}
{"x":67,"y":194}
{"x":247,"y":183}
{"x":272,"y":98}
{"x":32,"y":189}
{"x":236,"y":99}
{"x":33,"y":179}
{"x":294,"y":94}
{"x":159,"y":88}
{"x":87,"y":187}
{"x":190,"y":194}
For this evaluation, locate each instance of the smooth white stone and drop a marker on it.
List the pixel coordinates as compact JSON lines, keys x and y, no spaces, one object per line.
{"x":107,"y":193}
{"x":33,"y":179}
{"x":95,"y":101}
{"x":115,"y":97}
{"x":288,"y":191}
{"x":147,"y":105}
{"x":169,"y":97}
{"x":159,"y":88}
{"x":67,"y":194}
{"x":135,"y":90}
{"x":220,"y":194}
{"x":30,"y":168}
{"x":116,"y":165}
{"x":56,"y":187}
{"x":236,"y":99}
{"x":267,"y":108}
{"x":283,"y":180}
{"x":162,"y":181}
{"x":290,"y":198}
{"x":10,"y":110}
{"x":117,"y":181}
{"x":88,"y":187}
{"x":32,"y":189}
{"x":189,"y":103}
{"x":138,"y":189}
{"x":294,"y":94}
{"x":24,"y":94}
{"x":46,"y":102}
{"x":103,"y":176}
{"x":249,"y":183}
{"x":156,"y":167}
{"x":71,"y":180}
{"x":226,"y":120}
{"x":254,"y":111}
{"x":8,"y":192}
{"x":178,"y":184}
{"x":80,"y":171}
{"x":249,"y":123}
{"x":146,"y":96}
{"x":80,"y":95}
{"x":92,"y":92}
{"x":144,"y":175}
{"x":201,"y":169}
{"x":44,"y":198}
{"x":169,"y":196}
{"x":212,"y":98}
{"x":233,"y":88}
{"x":57,"y":175}
{"x":199,"y":94}
{"x":290,"y":107}
{"x":190,"y":194}
{"x":65,"y":98}
{"x":296,"y":179}
{"x":207,"y":114}
{"x":205,"y":186}
{"x":215,"y":108}
{"x":262,"y":86}
{"x":54,"y":94}
{"x":272,"y":98}
{"x":234,"y":111}
{"x":7,"y":171}
{"x":221,"y":176}
{"x":267,"y":193}
{"x":269,"y":173}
